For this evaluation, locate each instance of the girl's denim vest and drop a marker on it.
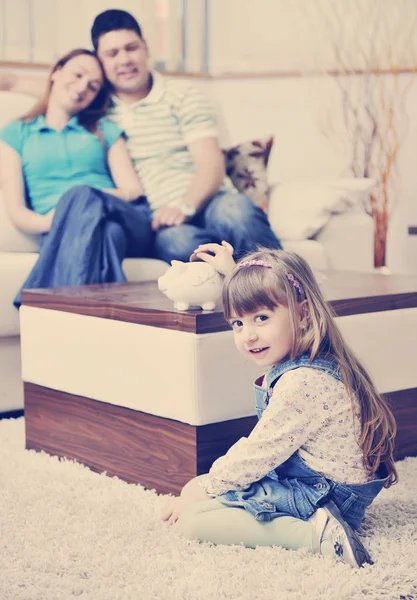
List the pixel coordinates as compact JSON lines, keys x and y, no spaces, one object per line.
{"x":294,"y":488}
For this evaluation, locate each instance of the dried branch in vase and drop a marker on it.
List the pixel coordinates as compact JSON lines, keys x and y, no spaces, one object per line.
{"x":363,"y":50}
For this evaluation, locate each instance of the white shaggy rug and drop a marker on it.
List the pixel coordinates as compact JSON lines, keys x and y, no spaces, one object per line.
{"x":67,"y":532}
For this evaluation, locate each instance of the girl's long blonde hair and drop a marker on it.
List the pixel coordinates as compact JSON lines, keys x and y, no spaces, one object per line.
{"x":249,"y":288}
{"x":88,"y":117}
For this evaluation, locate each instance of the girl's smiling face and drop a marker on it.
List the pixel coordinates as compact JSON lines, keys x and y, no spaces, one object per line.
{"x":266,"y":335}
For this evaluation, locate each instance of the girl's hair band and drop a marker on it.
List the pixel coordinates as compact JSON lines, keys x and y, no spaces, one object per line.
{"x":261,"y":263}
{"x":254,"y":263}
{"x":295,"y":283}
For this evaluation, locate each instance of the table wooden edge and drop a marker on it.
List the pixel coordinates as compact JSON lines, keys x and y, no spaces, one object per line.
{"x":193,"y":321}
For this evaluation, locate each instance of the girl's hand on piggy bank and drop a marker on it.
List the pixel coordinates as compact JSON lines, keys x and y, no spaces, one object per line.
{"x":220,"y":257}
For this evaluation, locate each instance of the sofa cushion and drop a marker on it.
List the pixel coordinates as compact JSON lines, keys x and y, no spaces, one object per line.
{"x":11,"y":239}
{"x":14,"y":269}
{"x":246,"y":166}
{"x":311,"y":250}
{"x":143,"y":269}
{"x":13,"y":105}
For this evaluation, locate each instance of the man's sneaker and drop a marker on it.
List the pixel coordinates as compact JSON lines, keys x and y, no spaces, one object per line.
{"x":329,"y":526}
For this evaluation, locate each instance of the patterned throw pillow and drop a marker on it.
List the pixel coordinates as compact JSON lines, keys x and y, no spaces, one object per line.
{"x":246,"y":166}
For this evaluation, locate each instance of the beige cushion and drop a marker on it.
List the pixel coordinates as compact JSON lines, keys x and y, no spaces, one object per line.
{"x":13,"y":105}
{"x":11,"y":239}
{"x":14,"y":269}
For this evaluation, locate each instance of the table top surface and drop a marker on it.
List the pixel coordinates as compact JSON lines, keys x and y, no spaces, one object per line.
{"x":142,"y":303}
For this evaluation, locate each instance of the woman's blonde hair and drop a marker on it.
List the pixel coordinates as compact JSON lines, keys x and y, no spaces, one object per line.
{"x":249,"y":288}
{"x":89,"y":116}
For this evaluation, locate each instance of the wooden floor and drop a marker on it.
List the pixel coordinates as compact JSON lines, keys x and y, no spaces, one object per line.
{"x":158,"y":453}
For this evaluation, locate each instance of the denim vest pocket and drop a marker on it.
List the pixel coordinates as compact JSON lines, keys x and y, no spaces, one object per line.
{"x":352,"y":506}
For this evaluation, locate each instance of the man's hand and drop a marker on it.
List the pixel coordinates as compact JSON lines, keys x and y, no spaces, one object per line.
{"x":23,"y":84}
{"x":222,"y":260}
{"x":167,"y":216}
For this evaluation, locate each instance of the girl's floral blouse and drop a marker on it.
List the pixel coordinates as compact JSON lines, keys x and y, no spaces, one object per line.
{"x":309,"y":411}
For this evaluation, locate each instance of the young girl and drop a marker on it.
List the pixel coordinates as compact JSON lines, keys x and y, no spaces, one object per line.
{"x":323,"y":447}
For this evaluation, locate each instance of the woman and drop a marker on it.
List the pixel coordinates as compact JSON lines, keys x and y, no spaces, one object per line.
{"x":67,"y":175}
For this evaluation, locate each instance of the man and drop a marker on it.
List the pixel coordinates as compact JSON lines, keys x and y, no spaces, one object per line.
{"x":172,"y":140}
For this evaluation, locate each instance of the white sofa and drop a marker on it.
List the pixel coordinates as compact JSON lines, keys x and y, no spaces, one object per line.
{"x":344,"y":241}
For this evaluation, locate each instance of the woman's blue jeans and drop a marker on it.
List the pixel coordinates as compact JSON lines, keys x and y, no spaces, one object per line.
{"x":92,"y":232}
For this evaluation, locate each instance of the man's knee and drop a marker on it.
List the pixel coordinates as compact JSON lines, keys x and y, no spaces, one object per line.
{"x":177,"y":243}
{"x":234,"y":208}
{"x":189,"y":522}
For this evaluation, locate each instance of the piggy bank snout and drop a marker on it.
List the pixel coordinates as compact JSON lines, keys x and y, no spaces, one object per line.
{"x":162,"y":284}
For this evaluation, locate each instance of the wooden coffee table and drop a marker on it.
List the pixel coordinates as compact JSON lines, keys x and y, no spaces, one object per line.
{"x":116,"y":378}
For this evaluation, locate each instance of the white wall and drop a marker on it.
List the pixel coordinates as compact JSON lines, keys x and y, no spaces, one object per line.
{"x":243,"y":35}
{"x":301,"y":35}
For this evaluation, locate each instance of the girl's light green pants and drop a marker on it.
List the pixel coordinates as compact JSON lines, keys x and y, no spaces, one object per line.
{"x":212,"y":521}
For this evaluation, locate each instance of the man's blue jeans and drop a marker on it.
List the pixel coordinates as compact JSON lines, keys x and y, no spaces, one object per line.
{"x":228,"y":216}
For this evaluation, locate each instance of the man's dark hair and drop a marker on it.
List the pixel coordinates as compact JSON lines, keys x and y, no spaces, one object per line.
{"x":112,"y":20}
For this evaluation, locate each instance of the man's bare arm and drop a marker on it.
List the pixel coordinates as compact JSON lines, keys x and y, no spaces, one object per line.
{"x":33,"y":85}
{"x":210,"y":171}
{"x":207,"y":180}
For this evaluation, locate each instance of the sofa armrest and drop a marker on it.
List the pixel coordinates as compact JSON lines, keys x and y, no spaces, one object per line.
{"x":14,"y":269}
{"x":11,"y":239}
{"x":348,"y":240}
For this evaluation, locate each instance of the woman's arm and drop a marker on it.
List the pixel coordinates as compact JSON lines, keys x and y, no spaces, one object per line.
{"x":14,"y":194}
{"x":128,"y":186}
{"x":24,"y":84}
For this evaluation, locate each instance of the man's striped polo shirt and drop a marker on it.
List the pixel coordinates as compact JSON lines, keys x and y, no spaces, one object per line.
{"x":158,"y":129}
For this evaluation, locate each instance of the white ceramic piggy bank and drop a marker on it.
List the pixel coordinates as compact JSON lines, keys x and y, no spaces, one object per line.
{"x":191,"y":284}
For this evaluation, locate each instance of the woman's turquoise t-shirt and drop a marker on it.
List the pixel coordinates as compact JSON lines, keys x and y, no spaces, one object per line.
{"x":55,"y":161}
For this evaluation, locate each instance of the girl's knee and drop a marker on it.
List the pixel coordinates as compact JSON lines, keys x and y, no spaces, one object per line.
{"x":188,"y":523}
{"x":191,"y":486}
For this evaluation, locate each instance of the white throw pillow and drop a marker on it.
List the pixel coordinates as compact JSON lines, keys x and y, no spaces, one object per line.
{"x":299,"y":210}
